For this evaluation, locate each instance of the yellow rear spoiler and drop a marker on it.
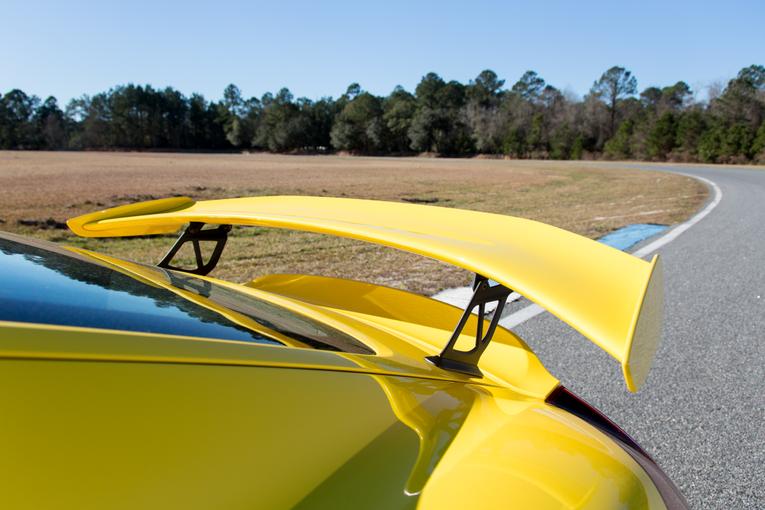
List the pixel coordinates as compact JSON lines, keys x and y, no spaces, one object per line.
{"x":610,"y":297}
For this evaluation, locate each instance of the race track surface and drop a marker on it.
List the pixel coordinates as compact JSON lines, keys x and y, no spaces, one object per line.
{"x":701,"y":414}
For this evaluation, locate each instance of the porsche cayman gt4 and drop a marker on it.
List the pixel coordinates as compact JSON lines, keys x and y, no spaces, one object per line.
{"x":134,"y":386}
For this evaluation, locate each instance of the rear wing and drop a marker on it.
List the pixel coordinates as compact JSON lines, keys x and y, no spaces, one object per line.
{"x":612,"y":298}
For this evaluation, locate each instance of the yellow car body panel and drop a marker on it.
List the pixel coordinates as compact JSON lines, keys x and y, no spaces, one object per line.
{"x":94,"y":429}
{"x":421,"y":321}
{"x":598,"y":290}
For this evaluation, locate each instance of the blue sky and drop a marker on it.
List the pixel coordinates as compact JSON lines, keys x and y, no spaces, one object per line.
{"x":318,"y":48}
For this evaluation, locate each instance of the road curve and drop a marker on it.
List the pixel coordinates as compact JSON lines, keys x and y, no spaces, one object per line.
{"x":701,"y":413}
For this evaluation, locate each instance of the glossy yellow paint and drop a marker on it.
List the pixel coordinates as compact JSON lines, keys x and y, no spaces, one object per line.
{"x":423,"y":322}
{"x":596,"y":289}
{"x":253,"y":426}
{"x":524,"y":454}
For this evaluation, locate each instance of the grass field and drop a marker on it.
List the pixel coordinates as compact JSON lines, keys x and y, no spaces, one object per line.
{"x":40,"y":190}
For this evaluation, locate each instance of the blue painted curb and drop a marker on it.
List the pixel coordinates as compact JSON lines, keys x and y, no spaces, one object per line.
{"x":627,"y":237}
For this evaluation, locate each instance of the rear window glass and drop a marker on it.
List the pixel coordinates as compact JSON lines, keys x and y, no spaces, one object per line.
{"x":43,"y":283}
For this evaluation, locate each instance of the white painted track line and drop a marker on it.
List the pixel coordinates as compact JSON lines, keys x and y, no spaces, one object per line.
{"x":675,"y":232}
{"x":533,"y":310}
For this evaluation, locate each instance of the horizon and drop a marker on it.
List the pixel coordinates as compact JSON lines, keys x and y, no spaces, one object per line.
{"x":50,"y":49}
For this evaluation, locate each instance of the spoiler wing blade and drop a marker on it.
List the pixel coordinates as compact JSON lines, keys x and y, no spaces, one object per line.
{"x":612,"y":298}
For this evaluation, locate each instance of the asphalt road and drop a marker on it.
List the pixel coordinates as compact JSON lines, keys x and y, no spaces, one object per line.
{"x":701,"y":414}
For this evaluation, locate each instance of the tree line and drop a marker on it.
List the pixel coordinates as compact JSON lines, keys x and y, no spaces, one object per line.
{"x":530,"y":119}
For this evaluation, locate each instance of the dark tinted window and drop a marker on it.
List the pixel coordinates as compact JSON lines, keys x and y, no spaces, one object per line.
{"x":42,"y":283}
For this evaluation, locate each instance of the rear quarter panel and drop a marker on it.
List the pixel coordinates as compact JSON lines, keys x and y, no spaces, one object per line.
{"x":100,"y":434}
{"x":139,"y":435}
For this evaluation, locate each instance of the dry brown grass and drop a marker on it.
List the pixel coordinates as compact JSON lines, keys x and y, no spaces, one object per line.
{"x":583,"y":197}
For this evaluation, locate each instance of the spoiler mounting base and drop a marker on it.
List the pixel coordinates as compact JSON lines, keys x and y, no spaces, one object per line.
{"x":466,"y":362}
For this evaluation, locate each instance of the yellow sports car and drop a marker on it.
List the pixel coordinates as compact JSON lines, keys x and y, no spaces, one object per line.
{"x":134,"y":386}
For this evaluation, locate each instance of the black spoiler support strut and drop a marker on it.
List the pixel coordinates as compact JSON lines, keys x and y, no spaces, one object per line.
{"x":484,"y":292}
